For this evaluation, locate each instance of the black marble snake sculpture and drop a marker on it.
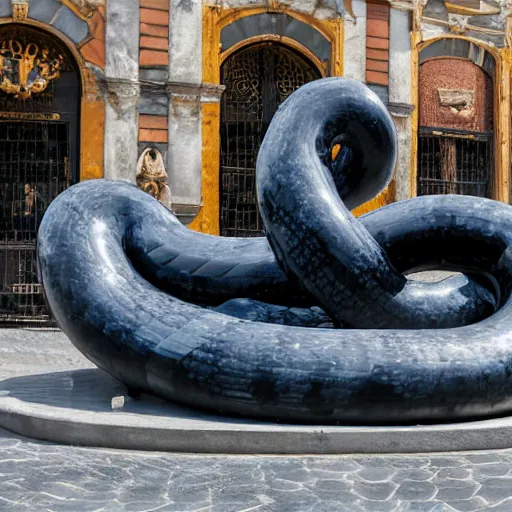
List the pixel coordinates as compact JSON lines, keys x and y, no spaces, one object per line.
{"x":138,"y":293}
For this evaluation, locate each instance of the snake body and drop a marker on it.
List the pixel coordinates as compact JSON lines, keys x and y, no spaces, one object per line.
{"x":129,"y":284}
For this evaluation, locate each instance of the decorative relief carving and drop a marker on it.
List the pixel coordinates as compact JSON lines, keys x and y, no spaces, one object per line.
{"x":152,"y":176}
{"x":457,"y":25}
{"x":460,"y":101}
{"x":20,"y":9}
{"x":26,"y":69}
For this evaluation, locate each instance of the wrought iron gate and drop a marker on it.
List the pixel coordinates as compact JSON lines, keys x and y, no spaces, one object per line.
{"x":455,"y":162}
{"x":39,"y":116}
{"x":34,"y":169}
{"x":257,"y":80}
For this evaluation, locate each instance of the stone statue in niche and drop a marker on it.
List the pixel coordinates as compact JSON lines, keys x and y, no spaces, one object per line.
{"x":152,"y":176}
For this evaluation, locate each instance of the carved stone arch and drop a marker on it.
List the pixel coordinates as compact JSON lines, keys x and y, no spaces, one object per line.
{"x":91,"y":98}
{"x":278,"y":26}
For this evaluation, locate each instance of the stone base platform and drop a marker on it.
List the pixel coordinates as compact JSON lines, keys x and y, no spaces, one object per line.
{"x":88,"y":407}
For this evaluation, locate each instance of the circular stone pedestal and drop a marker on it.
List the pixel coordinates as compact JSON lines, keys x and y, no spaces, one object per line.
{"x":88,"y":407}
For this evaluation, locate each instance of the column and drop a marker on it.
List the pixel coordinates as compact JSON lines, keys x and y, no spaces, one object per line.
{"x":122,"y":88}
{"x":400,"y":96}
{"x":354,"y":48}
{"x":184,"y":160}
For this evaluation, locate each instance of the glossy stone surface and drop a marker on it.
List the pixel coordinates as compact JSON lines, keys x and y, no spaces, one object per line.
{"x":117,"y":267}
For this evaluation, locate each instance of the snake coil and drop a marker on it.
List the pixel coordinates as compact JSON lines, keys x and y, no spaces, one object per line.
{"x":133,"y":288}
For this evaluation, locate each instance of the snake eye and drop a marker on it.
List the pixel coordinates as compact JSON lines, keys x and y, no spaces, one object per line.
{"x":340,"y":153}
{"x":336,"y":146}
{"x":335,"y":150}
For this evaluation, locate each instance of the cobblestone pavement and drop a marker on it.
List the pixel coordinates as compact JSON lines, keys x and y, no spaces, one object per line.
{"x":38,"y":476}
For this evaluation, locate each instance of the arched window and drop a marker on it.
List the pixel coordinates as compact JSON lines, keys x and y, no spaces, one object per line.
{"x":258,"y":79}
{"x":39,"y":156}
{"x":456,"y":125}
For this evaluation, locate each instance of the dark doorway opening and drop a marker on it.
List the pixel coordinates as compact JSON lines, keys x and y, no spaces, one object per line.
{"x":452,"y":162}
{"x":456,"y":120}
{"x":39,"y":153}
{"x":257,"y":79}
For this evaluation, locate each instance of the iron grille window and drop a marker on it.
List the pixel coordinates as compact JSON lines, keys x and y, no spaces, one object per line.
{"x":34,"y":169}
{"x":38,"y":159}
{"x":455,"y":162}
{"x":257,"y":80}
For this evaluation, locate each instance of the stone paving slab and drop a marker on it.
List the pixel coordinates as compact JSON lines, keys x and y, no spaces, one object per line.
{"x":37,"y":351}
{"x":39,"y":476}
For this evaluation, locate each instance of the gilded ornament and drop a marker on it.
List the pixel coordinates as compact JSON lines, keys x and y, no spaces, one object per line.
{"x":20,"y":9}
{"x":30,"y":116}
{"x":25,"y":69}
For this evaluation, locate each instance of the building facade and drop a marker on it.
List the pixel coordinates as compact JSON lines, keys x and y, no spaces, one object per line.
{"x":176,"y":95}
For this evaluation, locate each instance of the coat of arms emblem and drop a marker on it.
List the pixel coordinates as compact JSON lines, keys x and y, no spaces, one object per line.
{"x":27,"y":69}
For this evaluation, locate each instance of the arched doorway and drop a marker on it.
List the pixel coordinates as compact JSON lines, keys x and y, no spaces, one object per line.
{"x":456,"y":121}
{"x":39,"y":157}
{"x":258,"y":79}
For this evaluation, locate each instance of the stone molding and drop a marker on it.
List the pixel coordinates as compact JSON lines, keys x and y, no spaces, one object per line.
{"x":206,"y":93}
{"x":121,"y":94}
{"x":401,"y":5}
{"x":400,"y":109}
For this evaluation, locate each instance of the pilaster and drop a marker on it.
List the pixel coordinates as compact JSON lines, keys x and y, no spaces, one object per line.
{"x":354,"y":47}
{"x":121,"y":129}
{"x":400,"y":96}
{"x":122,"y":88}
{"x":184,"y":156}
